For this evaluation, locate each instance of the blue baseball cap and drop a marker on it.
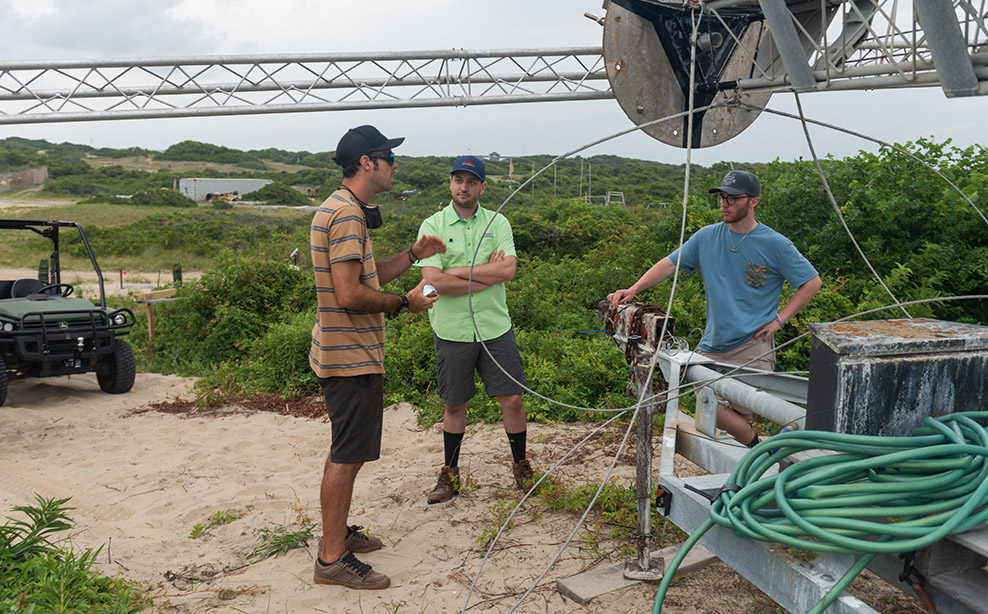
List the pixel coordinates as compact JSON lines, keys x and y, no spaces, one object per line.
{"x":470,"y":164}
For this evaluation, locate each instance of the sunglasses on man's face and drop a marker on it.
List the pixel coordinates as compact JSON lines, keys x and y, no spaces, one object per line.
{"x":390,"y":156}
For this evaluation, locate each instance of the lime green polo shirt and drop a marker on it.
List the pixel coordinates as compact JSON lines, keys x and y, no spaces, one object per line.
{"x":450,"y":315}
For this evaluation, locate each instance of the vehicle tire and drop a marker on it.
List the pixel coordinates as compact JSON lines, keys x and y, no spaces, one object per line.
{"x":115,"y":372}
{"x":3,"y":381}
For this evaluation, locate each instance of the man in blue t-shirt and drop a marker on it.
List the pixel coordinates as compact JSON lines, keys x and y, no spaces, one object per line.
{"x":743,"y":264}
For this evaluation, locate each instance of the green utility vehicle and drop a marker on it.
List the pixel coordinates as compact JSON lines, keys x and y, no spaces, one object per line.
{"x":47,"y":332}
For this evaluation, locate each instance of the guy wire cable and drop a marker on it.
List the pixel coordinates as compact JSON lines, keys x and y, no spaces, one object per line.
{"x":695,"y":384}
{"x":528,"y":494}
{"x":652,"y":362}
{"x":620,"y":411}
{"x":877,"y":141}
{"x":934,"y":483}
{"x":564,"y":156}
{"x":833,"y":203}
{"x":517,"y":190}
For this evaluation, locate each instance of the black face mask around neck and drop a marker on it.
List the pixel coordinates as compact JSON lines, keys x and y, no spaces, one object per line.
{"x":372,"y":215}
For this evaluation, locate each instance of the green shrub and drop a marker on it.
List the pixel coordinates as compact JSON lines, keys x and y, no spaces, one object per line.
{"x":223,"y":314}
{"x":205,"y":152}
{"x":37,"y":577}
{"x":279,"y":194}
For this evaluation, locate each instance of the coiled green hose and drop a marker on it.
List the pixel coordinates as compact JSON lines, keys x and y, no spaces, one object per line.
{"x":876,"y":495}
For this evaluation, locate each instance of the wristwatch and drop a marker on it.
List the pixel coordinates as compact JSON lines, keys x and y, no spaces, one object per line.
{"x":404,"y":304}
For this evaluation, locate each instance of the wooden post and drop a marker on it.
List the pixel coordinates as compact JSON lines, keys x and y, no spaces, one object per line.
{"x":149,"y":299}
{"x":150,"y":320}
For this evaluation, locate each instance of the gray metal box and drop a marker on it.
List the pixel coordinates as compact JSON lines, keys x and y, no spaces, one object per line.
{"x":882,"y":377}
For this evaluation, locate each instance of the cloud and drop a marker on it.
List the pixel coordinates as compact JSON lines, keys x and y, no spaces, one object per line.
{"x":99,"y":28}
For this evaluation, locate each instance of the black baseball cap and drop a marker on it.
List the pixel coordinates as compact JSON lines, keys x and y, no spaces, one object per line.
{"x":361,"y":141}
{"x":736,"y":183}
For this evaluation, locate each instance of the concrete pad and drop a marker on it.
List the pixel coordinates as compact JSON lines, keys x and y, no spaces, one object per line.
{"x":583,"y":588}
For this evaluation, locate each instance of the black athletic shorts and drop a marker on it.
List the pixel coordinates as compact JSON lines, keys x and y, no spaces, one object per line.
{"x":356,"y":410}
{"x":456,"y":362}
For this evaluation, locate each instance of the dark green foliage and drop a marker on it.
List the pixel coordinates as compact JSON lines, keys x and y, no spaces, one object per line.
{"x":304,"y":158}
{"x":79,"y":179}
{"x":916,"y":230}
{"x":106,"y":152}
{"x":65,"y":167}
{"x":38,"y":577}
{"x":279,"y":194}
{"x":227,"y":313}
{"x":204,"y":152}
{"x":17,"y":159}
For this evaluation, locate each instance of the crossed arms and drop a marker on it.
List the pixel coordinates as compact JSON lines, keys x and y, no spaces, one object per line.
{"x":456,"y":280}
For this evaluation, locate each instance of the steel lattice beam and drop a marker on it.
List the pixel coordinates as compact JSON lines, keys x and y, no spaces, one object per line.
{"x":134,"y":88}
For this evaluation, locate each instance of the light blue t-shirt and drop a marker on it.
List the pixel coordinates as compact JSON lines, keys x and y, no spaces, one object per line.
{"x":742,"y":287}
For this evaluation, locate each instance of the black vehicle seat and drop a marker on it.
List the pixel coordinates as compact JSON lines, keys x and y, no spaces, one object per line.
{"x":6,"y":286}
{"x":26,"y":287}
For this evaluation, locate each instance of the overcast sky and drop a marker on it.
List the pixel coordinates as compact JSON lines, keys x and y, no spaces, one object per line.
{"x":72,"y":29}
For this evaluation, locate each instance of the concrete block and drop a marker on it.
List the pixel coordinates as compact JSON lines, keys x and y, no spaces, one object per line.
{"x":583,"y":588}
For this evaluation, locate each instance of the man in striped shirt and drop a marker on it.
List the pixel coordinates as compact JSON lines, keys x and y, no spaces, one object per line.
{"x":347,"y":351}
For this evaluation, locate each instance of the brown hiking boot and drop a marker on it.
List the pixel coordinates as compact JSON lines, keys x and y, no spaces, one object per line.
{"x":348,"y":571}
{"x":447,"y":486}
{"x":524,"y":476}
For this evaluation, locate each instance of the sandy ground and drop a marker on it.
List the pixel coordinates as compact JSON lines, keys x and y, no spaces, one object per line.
{"x":20,"y":201}
{"x":141,"y":480}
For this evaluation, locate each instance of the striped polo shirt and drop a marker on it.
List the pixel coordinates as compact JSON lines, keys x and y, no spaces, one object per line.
{"x":344,"y":342}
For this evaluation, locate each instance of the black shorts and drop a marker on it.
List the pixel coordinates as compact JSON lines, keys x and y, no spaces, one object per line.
{"x":456,"y":361}
{"x":356,"y":410}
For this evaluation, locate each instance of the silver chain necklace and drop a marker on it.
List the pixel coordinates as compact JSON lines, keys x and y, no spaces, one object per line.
{"x":735,"y":246}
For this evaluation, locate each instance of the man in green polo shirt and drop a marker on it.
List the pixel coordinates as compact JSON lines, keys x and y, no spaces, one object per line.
{"x":473,"y":235}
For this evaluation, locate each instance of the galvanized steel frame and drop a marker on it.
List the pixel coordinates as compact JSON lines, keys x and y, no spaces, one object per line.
{"x":870,"y":44}
{"x":141,"y":88}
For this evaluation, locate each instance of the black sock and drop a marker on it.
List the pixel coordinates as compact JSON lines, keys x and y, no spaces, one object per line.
{"x":451,"y":446}
{"x":517,"y":442}
{"x":755,"y":441}
{"x":324,"y":563}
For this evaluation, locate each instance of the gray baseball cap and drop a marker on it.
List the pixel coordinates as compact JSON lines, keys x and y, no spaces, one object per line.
{"x":736,"y":183}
